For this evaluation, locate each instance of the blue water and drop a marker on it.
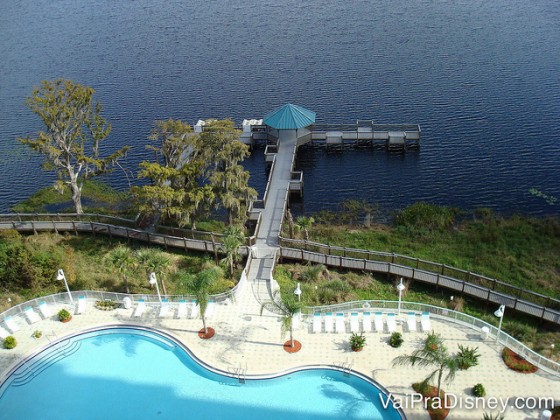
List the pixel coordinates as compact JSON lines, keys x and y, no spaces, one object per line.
{"x":480,"y":77}
{"x":128,"y":374}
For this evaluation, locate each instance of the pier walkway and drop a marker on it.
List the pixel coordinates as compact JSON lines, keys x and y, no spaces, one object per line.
{"x":266,"y":248}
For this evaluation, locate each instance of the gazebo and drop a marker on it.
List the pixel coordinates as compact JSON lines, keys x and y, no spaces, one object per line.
{"x":289,"y":117}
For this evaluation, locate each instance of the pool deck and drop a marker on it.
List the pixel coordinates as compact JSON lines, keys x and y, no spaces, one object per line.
{"x":245,"y":339}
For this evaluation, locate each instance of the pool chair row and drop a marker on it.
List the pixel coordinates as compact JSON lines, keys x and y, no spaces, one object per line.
{"x":31,"y":315}
{"x":340,"y":323}
{"x":184,"y":309}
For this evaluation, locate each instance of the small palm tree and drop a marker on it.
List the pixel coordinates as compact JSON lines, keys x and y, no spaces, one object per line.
{"x":152,"y":260}
{"x":287,"y":307}
{"x":304,"y":223}
{"x":121,"y":259}
{"x":232,"y":240}
{"x":432,"y":354}
{"x":200,"y":285}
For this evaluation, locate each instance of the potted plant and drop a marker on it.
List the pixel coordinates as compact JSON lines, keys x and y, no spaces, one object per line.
{"x":357,"y":341}
{"x":396,"y":339}
{"x":479,"y":391}
{"x":64,"y":315}
{"x":10,"y":342}
{"x":37,"y":334}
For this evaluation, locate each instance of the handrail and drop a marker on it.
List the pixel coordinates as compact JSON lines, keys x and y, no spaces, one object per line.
{"x":427,"y":266}
{"x":449,"y":315}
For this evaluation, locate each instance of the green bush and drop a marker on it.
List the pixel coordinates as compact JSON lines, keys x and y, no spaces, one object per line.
{"x":64,"y":315}
{"x":479,"y":391}
{"x":467,"y":357}
{"x":10,"y":342}
{"x":396,"y":339}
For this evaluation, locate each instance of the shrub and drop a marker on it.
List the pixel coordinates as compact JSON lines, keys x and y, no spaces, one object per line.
{"x":426,"y":216}
{"x":106,"y":305}
{"x":479,"y":391}
{"x":491,"y":416}
{"x":467,"y":357}
{"x":357,"y":341}
{"x":64,"y":315}
{"x":37,"y":334}
{"x":10,"y":342}
{"x":396,"y":339}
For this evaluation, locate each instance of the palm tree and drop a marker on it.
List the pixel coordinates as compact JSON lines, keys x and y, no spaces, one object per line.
{"x":432,"y":354}
{"x":122,"y":260}
{"x":232,"y":240}
{"x":287,"y":307}
{"x":305,"y":223}
{"x":200,"y":285}
{"x":154,"y":261}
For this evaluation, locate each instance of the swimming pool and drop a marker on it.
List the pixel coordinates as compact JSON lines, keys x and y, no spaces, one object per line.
{"x":132,"y":373}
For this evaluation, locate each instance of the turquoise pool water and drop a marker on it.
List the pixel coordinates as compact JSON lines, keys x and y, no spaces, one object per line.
{"x":134,"y":374}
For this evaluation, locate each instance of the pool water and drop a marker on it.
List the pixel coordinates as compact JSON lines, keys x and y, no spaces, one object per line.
{"x":135,"y":374}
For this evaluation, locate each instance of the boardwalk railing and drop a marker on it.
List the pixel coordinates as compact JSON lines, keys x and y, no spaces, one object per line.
{"x":447,"y":315}
{"x":464,"y":282}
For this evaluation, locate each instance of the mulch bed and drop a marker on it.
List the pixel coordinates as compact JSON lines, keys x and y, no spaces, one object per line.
{"x":516,"y":362}
{"x":208,"y":335}
{"x":288,"y":346}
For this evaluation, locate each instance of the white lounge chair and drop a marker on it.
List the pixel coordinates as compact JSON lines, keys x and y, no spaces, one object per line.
{"x":164,"y":308}
{"x":378,"y":322}
{"x":209,"y":312}
{"x":182,"y":311}
{"x":366,"y":322}
{"x":195,"y":309}
{"x":411,"y":321}
{"x":45,"y":310}
{"x":81,"y":305}
{"x":317,"y":323}
{"x":354,"y":322}
{"x":3,"y":333}
{"x":140,"y":308}
{"x":425,"y":322}
{"x":340,"y":326}
{"x":31,"y":315}
{"x":391,"y":323}
{"x":11,"y":324}
{"x":328,"y":322}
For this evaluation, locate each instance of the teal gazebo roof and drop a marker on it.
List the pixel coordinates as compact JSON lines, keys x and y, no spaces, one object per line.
{"x":289,"y":117}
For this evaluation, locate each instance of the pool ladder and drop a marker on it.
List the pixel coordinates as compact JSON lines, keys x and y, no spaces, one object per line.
{"x":345,"y":367}
{"x":240,"y":373}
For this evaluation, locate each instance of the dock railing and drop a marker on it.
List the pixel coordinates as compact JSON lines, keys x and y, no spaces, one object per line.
{"x":440,"y":275}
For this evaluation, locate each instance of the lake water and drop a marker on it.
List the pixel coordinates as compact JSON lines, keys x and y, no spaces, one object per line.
{"x":481,"y":78}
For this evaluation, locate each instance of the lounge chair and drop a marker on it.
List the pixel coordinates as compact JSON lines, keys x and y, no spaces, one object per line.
{"x":140,"y":308}
{"x":11,"y":324}
{"x":340,"y":326}
{"x":378,"y":322}
{"x":195,"y":309}
{"x":391,"y":323}
{"x":411,"y":321}
{"x":31,"y":315}
{"x":328,"y":322}
{"x":366,"y":322}
{"x":81,"y":305}
{"x":164,"y":308}
{"x":317,"y":323}
{"x":425,"y":321}
{"x":182,"y":311}
{"x":3,"y":333}
{"x":45,"y":310}
{"x":354,"y":322}
{"x":209,"y":313}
